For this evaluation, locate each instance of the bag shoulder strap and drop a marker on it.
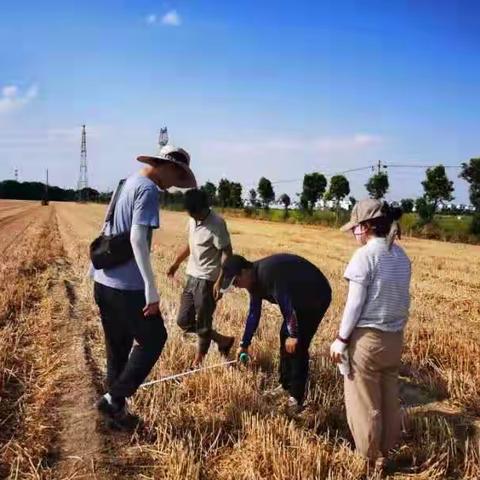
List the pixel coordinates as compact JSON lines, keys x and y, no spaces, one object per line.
{"x":113,"y":203}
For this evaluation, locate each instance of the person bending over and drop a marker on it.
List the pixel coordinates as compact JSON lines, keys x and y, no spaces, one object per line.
{"x":303,"y":294}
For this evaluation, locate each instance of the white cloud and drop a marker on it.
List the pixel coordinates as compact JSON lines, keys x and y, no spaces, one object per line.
{"x":64,"y":137}
{"x":172,"y":19}
{"x":11,"y":98}
{"x":151,"y":19}
{"x":300,"y":146}
{"x":10,"y":91}
{"x":352,"y":143}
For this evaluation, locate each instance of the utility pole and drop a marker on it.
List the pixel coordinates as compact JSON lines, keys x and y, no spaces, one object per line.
{"x":45,"y":195}
{"x":379,"y":167}
{"x":83,"y":178}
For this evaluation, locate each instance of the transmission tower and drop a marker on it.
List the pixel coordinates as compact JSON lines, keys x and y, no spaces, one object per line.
{"x":16,"y":174}
{"x":162,"y":137}
{"x":83,"y":179}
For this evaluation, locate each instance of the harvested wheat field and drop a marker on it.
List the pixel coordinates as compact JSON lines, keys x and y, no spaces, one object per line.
{"x":217,"y":424}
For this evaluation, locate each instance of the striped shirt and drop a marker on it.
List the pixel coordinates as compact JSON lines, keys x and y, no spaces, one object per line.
{"x":386,"y":274}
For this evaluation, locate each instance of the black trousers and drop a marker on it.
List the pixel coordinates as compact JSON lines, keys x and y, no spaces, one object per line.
{"x":293,"y":367}
{"x":123,"y":322}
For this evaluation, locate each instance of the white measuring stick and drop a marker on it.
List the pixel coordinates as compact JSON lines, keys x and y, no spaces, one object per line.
{"x":189,"y":372}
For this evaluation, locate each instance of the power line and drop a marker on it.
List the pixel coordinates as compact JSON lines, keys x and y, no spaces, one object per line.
{"x":293,"y":180}
{"x":358,"y":169}
{"x":422,"y":166}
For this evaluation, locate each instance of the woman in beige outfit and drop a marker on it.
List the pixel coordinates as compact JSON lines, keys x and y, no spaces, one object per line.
{"x":370,"y":339}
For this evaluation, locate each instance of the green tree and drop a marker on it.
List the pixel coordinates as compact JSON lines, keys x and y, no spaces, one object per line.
{"x":475,"y":225}
{"x":175,"y":199}
{"x":285,"y":200}
{"x":407,"y":205}
{"x":36,"y":191}
{"x":211,"y":190}
{"x":236,"y":195}
{"x":338,"y":190}
{"x":438,"y":188}
{"x":266,"y":192}
{"x":378,"y":185}
{"x":471,"y":173}
{"x":314,"y":185}
{"x":425,"y":210}
{"x":224,"y":192}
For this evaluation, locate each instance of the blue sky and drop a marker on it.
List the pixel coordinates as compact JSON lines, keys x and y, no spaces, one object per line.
{"x":250,"y":88}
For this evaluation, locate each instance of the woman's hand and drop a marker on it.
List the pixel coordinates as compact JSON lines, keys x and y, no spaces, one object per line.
{"x":337,"y":349}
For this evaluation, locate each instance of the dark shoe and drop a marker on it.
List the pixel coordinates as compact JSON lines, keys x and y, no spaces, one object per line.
{"x":108,"y":409}
{"x":275,"y":393}
{"x":293,"y":407}
{"x":117,"y":416}
{"x":126,"y":420}
{"x":225,"y":349}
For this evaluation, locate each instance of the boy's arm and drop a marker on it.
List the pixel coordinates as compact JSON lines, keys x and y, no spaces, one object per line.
{"x":226,"y":253}
{"x":181,"y":257}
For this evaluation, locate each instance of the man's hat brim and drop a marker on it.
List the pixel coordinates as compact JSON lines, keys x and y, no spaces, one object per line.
{"x":348,"y":226}
{"x":187,"y":180}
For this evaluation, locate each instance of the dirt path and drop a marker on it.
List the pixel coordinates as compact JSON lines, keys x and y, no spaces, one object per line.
{"x":80,"y":444}
{"x":85,"y":448}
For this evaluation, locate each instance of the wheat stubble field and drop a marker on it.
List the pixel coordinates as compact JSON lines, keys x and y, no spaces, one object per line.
{"x":218,"y":424}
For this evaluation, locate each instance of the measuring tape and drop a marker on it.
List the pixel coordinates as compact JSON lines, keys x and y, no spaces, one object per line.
{"x":243,"y":358}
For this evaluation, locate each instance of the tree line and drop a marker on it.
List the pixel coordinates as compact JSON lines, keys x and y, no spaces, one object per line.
{"x":11,"y":189}
{"x":438,"y":190}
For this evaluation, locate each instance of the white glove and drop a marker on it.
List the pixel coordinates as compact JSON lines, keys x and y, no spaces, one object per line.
{"x":338,"y":347}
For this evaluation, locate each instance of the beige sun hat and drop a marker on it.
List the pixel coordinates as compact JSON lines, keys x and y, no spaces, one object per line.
{"x":364,"y":210}
{"x":177,"y":156}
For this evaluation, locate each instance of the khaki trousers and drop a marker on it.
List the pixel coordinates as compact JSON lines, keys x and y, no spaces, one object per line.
{"x":195,"y":314}
{"x":371,"y":390}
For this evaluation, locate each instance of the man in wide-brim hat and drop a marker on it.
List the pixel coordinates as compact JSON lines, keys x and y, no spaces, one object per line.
{"x":171,"y":168}
{"x":126,"y":294}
